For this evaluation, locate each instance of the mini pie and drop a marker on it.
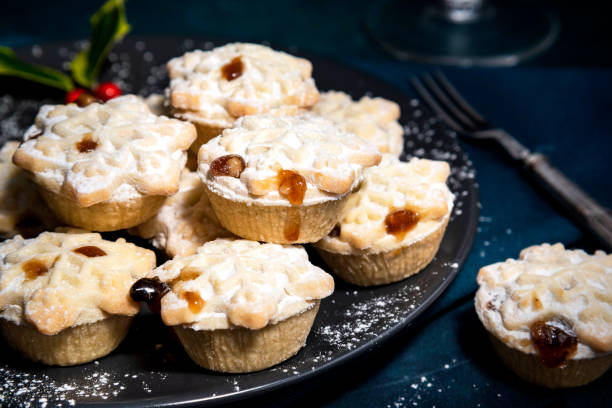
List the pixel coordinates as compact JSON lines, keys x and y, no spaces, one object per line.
{"x":105,"y":166}
{"x":282,"y":179}
{"x":392,"y":227}
{"x":372,"y":119}
{"x":64,"y":297}
{"x":213,"y":88}
{"x":22,"y":210}
{"x":240,"y":306}
{"x":185,"y":221}
{"x":549,"y":314}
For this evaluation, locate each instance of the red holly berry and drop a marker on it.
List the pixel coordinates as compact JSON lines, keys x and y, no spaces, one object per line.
{"x":71,"y":96}
{"x":106,"y":91}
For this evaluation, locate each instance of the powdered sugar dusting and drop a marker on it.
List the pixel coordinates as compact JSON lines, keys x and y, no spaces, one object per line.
{"x":29,"y":389}
{"x":365,"y":320}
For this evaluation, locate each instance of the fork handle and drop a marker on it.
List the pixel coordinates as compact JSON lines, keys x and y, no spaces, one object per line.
{"x":595,"y":217}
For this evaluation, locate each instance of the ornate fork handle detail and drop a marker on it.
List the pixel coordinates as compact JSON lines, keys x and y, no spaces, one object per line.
{"x":442,"y":98}
{"x":587,"y":210}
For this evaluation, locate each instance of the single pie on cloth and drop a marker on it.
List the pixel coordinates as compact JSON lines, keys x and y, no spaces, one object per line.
{"x":237,"y":305}
{"x":372,"y":119}
{"x":106,"y":166}
{"x":64,"y":297}
{"x":213,"y":88}
{"x":283,"y":179}
{"x":22,"y":209}
{"x":549,"y":314}
{"x":391,"y":227}
{"x":184,"y":222}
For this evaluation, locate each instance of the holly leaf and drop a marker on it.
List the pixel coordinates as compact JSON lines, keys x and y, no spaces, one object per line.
{"x":12,"y":66}
{"x":108,"y":26}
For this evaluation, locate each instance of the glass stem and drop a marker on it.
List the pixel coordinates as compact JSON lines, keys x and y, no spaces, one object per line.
{"x":462,"y":11}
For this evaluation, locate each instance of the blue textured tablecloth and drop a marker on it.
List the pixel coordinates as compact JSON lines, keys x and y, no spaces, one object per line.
{"x":445,"y":358}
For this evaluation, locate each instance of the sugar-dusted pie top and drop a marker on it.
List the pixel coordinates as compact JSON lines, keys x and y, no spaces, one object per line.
{"x":330,"y":160}
{"x":416,"y":187}
{"x":549,"y":283}
{"x":185,"y":221}
{"x":116,"y":151}
{"x":22,"y":210}
{"x":59,"y":280}
{"x":230,"y":283}
{"x":215,"y":87}
{"x":372,"y":119}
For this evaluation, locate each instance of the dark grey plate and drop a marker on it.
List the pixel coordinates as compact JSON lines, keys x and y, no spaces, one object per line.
{"x":150,"y":368}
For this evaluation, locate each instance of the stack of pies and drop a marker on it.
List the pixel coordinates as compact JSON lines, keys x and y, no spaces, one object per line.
{"x":278,"y":164}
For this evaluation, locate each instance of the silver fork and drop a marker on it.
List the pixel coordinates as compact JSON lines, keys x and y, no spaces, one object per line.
{"x":444,"y":100}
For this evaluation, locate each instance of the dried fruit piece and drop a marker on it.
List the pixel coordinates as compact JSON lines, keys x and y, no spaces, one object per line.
{"x":195,"y":302}
{"x":229,"y":165}
{"x":90,"y":251}
{"x":554,"y":345}
{"x":34,"y":268}
{"x":87,"y":144}
{"x":150,"y":291}
{"x":399,"y":222}
{"x":292,"y":186}
{"x":233,"y":69}
{"x":292,"y":231}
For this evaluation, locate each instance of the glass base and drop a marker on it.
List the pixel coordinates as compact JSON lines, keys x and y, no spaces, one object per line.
{"x":503,"y":34}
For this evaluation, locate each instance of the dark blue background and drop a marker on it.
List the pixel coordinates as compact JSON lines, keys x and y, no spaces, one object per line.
{"x":559,"y":104}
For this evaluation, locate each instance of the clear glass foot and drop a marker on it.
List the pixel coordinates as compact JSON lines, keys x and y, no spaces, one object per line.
{"x":462,"y":32}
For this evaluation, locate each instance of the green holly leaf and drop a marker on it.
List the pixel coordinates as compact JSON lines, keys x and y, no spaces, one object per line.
{"x":108,"y":26}
{"x":13,"y":66}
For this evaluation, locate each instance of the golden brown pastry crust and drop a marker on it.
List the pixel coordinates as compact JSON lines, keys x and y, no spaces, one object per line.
{"x":241,"y":350}
{"x":575,"y":373}
{"x":104,"y":216}
{"x":330,"y":160}
{"x":418,"y":186}
{"x":72,"y":346}
{"x":563,"y":298}
{"x":62,"y":280}
{"x":115,"y":151}
{"x":278,"y":224}
{"x":548,"y":281}
{"x":267,"y":80}
{"x":239,"y":283}
{"x":368,"y":269}
{"x":363,"y":250}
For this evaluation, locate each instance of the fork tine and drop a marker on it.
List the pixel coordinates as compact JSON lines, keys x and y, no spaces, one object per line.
{"x":456,"y":97}
{"x":433,"y":105}
{"x":450,"y":107}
